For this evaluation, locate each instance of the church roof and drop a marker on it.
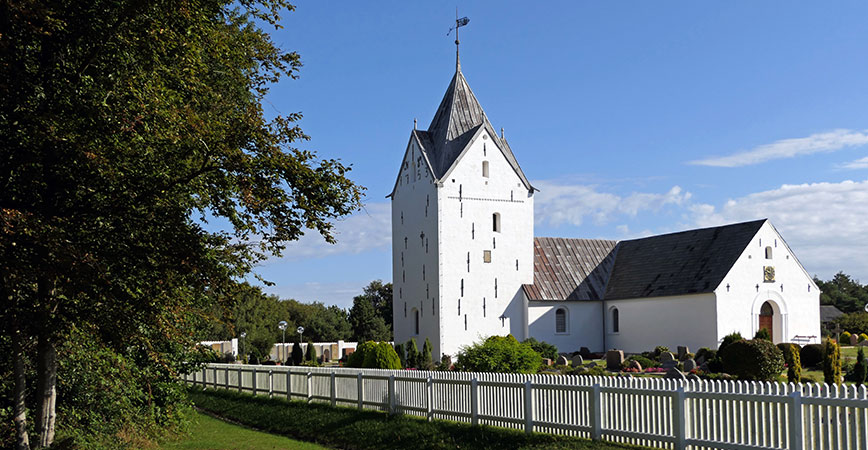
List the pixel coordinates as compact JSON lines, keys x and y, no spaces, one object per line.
{"x":457,"y":121}
{"x":570,"y":269}
{"x":688,"y":262}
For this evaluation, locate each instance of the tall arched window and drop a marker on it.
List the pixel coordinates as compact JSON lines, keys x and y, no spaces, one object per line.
{"x":616,"y":320}
{"x":768,"y":253}
{"x":561,"y":320}
{"x":415,"y":321}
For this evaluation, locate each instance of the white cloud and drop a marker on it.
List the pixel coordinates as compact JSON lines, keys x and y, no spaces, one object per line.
{"x":559,"y":204}
{"x":826,"y":224}
{"x":368,"y":229}
{"x":861,"y":163}
{"x":788,"y":148}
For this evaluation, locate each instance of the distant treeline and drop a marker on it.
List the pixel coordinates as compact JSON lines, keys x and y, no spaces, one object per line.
{"x":844,"y":292}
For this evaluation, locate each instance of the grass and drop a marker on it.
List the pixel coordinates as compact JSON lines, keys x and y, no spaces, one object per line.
{"x":350,"y":428}
{"x":213,"y":434}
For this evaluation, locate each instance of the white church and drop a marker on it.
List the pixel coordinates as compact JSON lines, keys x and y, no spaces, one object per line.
{"x":466,"y":264}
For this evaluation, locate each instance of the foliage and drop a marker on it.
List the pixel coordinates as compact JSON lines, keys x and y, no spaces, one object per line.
{"x":762,"y":333}
{"x":794,"y":363}
{"x":757,"y":359}
{"x":863,"y":337}
{"x":310,"y":353}
{"x":811,"y":355}
{"x":860,"y":369}
{"x":374,"y":355}
{"x":425,"y":361}
{"x":727,"y":340}
{"x":659,"y":350}
{"x":785,"y":349}
{"x":856,"y":322}
{"x":843,"y":292}
{"x":297,"y":355}
{"x":845,"y":338}
{"x":367,"y":316}
{"x":643,"y":361}
{"x":831,"y":362}
{"x":499,"y":354}
{"x":413,"y":355}
{"x":374,"y":430}
{"x":545,"y":349}
{"x":402,"y":354}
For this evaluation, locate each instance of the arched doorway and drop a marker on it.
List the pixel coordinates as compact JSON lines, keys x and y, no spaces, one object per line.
{"x":766,"y":318}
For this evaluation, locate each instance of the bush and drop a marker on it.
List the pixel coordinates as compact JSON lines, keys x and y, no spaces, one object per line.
{"x":856,"y":322}
{"x":545,"y":349}
{"x":728,"y":339}
{"x":499,"y":354}
{"x":660,"y":349}
{"x":687,"y":356}
{"x":297,"y":354}
{"x":811,"y":355}
{"x":860,"y":370}
{"x":794,"y":363}
{"x":374,"y":355}
{"x":402,"y":355}
{"x":425,"y":361}
{"x":756,"y":359}
{"x":763,"y":333}
{"x":785,"y":349}
{"x":845,"y":337}
{"x":412,"y":354}
{"x":310,"y":354}
{"x":831,"y":362}
{"x":863,"y":337}
{"x":643,"y":361}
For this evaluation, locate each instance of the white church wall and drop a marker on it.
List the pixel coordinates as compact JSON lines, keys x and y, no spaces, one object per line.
{"x":414,"y":257}
{"x":793,"y":294}
{"x":479,"y":298}
{"x":645,"y":323}
{"x":584,"y":324}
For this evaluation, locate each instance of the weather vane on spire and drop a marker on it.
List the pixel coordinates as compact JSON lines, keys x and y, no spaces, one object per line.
{"x":458,"y":24}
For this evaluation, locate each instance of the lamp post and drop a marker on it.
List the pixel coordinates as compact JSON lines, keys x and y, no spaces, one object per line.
{"x":282,"y":325}
{"x":243,"y":335}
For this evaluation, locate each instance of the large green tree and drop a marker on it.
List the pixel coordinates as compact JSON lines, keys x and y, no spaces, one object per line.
{"x":124,"y":127}
{"x":844,"y":292}
{"x":371,"y":314}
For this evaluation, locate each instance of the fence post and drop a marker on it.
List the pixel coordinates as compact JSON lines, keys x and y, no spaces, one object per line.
{"x":333,"y":389}
{"x":270,"y":383}
{"x":226,"y":384}
{"x":309,"y":387}
{"x":795,"y":414}
{"x":253,"y":381}
{"x":215,"y":378}
{"x":596,"y":404}
{"x":429,"y":387}
{"x":194,"y":378}
{"x":392,"y":406}
{"x":528,"y":407}
{"x":288,"y":383}
{"x":240,"y":385}
{"x":678,"y":418}
{"x":361,"y":387}
{"x":474,"y":401}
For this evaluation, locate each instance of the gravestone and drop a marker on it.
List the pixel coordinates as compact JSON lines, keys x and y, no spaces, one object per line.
{"x":854,"y":339}
{"x":675,"y":374}
{"x":578,"y":360}
{"x":689,"y":365}
{"x":635,"y":365}
{"x":682,"y":352}
{"x":700,"y":360}
{"x":563,"y":361}
{"x":614,"y":359}
{"x":666,"y":357}
{"x":669,"y":364}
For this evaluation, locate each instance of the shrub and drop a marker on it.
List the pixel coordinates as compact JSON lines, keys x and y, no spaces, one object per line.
{"x":643,"y":361}
{"x":831,"y":362}
{"x":763,"y":333}
{"x":297,"y":354}
{"x":660,"y":349}
{"x":499,"y":354}
{"x":402,"y":355}
{"x":374,"y":355}
{"x":845,"y":337}
{"x":545,"y":349}
{"x":811,"y":355}
{"x":728,"y":339}
{"x":756,"y":359}
{"x":310,"y":353}
{"x":687,"y":356}
{"x":860,"y":370}
{"x":703,"y":353}
{"x":863,"y":337}
{"x":785,"y":349}
{"x":412,"y":354}
{"x":794,"y":363}
{"x":425,"y":362}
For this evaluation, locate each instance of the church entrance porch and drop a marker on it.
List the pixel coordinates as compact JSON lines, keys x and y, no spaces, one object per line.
{"x":766,"y":319}
{"x":770,"y":312}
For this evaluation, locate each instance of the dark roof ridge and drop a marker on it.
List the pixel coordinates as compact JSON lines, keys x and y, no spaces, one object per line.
{"x":693,"y":230}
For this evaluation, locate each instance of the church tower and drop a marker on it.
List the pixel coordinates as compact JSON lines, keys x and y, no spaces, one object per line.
{"x":462,"y":230}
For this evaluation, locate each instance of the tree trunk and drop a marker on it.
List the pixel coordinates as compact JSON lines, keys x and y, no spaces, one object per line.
{"x":19,"y":415}
{"x":46,"y":389}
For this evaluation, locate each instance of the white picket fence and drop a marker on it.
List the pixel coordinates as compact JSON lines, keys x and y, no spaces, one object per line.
{"x":664,"y":413}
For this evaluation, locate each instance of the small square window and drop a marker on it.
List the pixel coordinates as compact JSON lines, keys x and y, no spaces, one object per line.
{"x":486,"y":256}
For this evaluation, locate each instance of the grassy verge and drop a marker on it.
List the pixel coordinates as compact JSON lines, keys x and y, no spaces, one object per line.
{"x":213,"y":434}
{"x":353,"y":429}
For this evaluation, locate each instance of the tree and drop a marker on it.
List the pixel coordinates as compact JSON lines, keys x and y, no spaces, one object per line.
{"x":126,"y":125}
{"x":860,"y":369}
{"x":297,"y":354}
{"x":310,"y":353}
{"x":831,"y":362}
{"x":794,"y":364}
{"x":366,"y":323}
{"x":425,"y":361}
{"x":843,"y":292}
{"x":413,"y":355}
{"x":402,"y":355}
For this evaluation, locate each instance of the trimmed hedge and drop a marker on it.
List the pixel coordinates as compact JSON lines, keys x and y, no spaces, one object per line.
{"x":757,"y":359}
{"x":811,"y":355}
{"x":374,"y":355}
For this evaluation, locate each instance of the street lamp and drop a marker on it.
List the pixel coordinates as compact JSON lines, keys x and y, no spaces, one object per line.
{"x":243,"y":335}
{"x":282,"y":325}
{"x":300,"y":331}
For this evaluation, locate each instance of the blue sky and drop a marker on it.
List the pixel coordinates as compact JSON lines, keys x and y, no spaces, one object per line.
{"x":632,"y":118}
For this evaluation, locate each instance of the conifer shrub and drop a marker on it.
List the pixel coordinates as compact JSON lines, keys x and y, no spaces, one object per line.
{"x":794,"y":363}
{"x":845,"y":338}
{"x":811,"y":355}
{"x":831,"y":362}
{"x":860,"y":369}
{"x":413,"y":355}
{"x":425,"y":362}
{"x":297,"y":354}
{"x":757,"y":359}
{"x":402,"y":354}
{"x":499,"y":354}
{"x":310,"y":355}
{"x":785,"y":349}
{"x":762,"y":333}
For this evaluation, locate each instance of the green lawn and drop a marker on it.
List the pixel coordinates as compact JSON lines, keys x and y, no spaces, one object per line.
{"x":212,"y":434}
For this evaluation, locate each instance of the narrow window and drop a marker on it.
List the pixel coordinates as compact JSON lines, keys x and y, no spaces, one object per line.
{"x":405,"y":309}
{"x":402,"y":259}
{"x":468,"y":262}
{"x":483,"y":306}
{"x":462,"y":287}
{"x":493,"y":242}
{"x":426,"y":245}
{"x":486,"y":256}
{"x":433,"y":310}
{"x":511,"y":198}
{"x":616,"y":321}
{"x":473,"y":230}
{"x":402,"y":217}
{"x":768,"y":253}
{"x":401,"y":294}
{"x":465,"y":322}
{"x":495,"y":218}
{"x":405,"y":243}
{"x":485,"y":169}
{"x":459,"y":306}
{"x":462,"y":210}
{"x":416,"y":320}
{"x":561,"y":320}
{"x":459,"y":192}
{"x":423,"y":271}
{"x":484,"y":151}
{"x":516,"y":265}
{"x":427,"y":286}
{"x":495,"y":288}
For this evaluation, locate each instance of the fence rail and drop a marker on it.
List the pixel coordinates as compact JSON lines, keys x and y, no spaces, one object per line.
{"x":664,"y":413}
